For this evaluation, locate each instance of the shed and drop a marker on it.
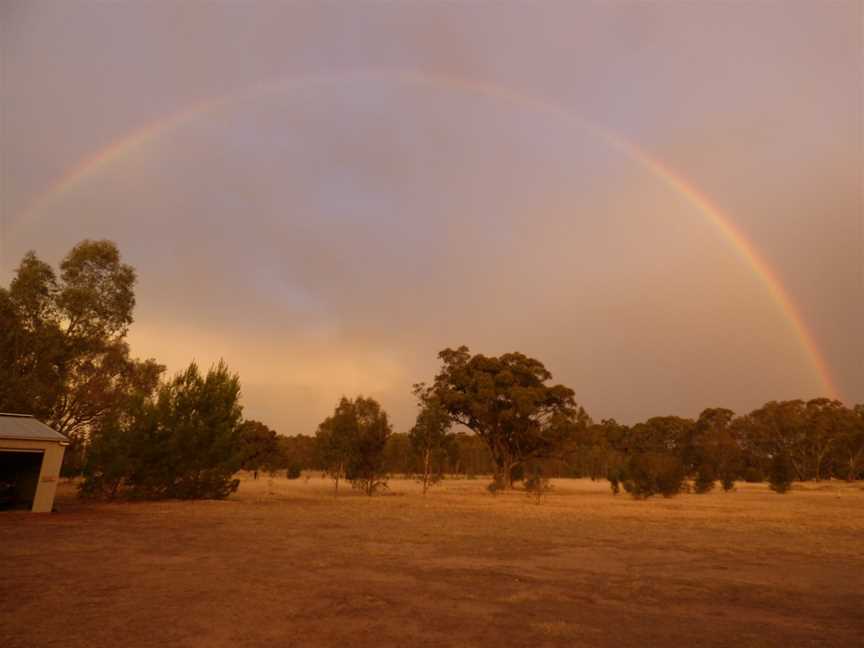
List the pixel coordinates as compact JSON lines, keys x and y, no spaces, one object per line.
{"x":30,"y":457}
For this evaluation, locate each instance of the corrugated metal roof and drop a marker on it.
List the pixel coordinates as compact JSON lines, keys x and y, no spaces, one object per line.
{"x":24,"y":426}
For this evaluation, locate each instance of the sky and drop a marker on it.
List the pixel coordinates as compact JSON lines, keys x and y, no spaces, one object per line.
{"x":662,"y":201}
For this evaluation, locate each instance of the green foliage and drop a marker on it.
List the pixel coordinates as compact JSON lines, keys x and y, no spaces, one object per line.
{"x":259,"y":447}
{"x":780,"y":474}
{"x":705,"y":478}
{"x":298,"y":450}
{"x":653,"y":473}
{"x":399,"y":457}
{"x":848,"y":450}
{"x":183,"y":442}
{"x":63,"y":353}
{"x":430,"y":437}
{"x":351,"y":443}
{"x":615,"y":477}
{"x":506,"y":402}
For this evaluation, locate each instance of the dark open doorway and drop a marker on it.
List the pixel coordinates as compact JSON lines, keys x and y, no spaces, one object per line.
{"x":19,"y":476}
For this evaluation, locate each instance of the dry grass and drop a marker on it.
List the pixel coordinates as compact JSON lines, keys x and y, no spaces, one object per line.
{"x":287,"y":564}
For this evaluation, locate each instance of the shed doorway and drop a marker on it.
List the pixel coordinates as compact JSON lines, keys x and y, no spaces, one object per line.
{"x":19,"y":477}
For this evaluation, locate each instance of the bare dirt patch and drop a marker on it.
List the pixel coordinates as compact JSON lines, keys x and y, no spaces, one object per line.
{"x":284,"y":563}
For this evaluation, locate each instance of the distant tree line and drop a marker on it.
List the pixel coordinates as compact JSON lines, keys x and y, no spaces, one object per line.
{"x":136,"y":434}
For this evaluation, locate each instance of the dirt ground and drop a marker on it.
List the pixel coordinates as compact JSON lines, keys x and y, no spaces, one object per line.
{"x":285,"y":563}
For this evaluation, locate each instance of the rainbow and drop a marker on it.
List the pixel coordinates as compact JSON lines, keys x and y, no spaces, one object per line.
{"x":137,"y":139}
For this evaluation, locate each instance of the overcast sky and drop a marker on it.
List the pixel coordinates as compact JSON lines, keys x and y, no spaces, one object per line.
{"x":326,"y":194}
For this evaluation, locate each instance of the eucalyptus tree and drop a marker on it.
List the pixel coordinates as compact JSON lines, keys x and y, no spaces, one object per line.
{"x":430,"y":437}
{"x":507,"y":402}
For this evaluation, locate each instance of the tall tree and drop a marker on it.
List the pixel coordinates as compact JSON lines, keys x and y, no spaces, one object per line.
{"x":63,"y":355}
{"x":430,"y":438}
{"x":713,"y":449}
{"x":115,"y":442}
{"x":778,"y":428}
{"x":849,"y":447}
{"x":181,"y":442}
{"x":191,"y":437}
{"x":334,"y":439}
{"x":825,"y":420}
{"x":506,"y":402}
{"x":365,"y":467}
{"x":259,"y":445}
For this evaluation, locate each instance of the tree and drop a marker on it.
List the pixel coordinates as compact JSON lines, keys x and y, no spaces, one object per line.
{"x":653,"y":473}
{"x":713,"y":450}
{"x":259,"y":445}
{"x":115,"y":443}
{"x":780,"y":474}
{"x":182,"y":442}
{"x":778,"y":428}
{"x":63,"y":356}
{"x":506,"y":402}
{"x":365,"y":469}
{"x":334,"y":438}
{"x":351,"y":443}
{"x":662,"y":434}
{"x":398,"y":457}
{"x":849,"y":447}
{"x":824,"y":423}
{"x":430,"y":438}
{"x":294,"y":453}
{"x":705,"y":477}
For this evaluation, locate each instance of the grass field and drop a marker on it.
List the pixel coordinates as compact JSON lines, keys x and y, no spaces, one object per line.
{"x":284,"y":563}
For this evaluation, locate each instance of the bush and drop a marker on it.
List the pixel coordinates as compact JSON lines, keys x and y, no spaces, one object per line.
{"x":653,"y":473}
{"x":704,"y":482}
{"x":728,"y":483}
{"x":184,"y":443}
{"x":780,"y":473}
{"x":615,"y":476}
{"x":293,"y":471}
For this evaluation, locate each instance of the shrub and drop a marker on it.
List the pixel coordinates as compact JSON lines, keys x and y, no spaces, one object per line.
{"x":182,"y":443}
{"x":654,"y":473}
{"x":704,"y":481}
{"x":615,"y":476}
{"x":780,"y":473}
{"x":293,"y":471}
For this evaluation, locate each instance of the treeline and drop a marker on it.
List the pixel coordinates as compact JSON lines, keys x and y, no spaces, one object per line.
{"x":780,"y":442}
{"x":135,"y":433}
{"x":465,"y":455}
